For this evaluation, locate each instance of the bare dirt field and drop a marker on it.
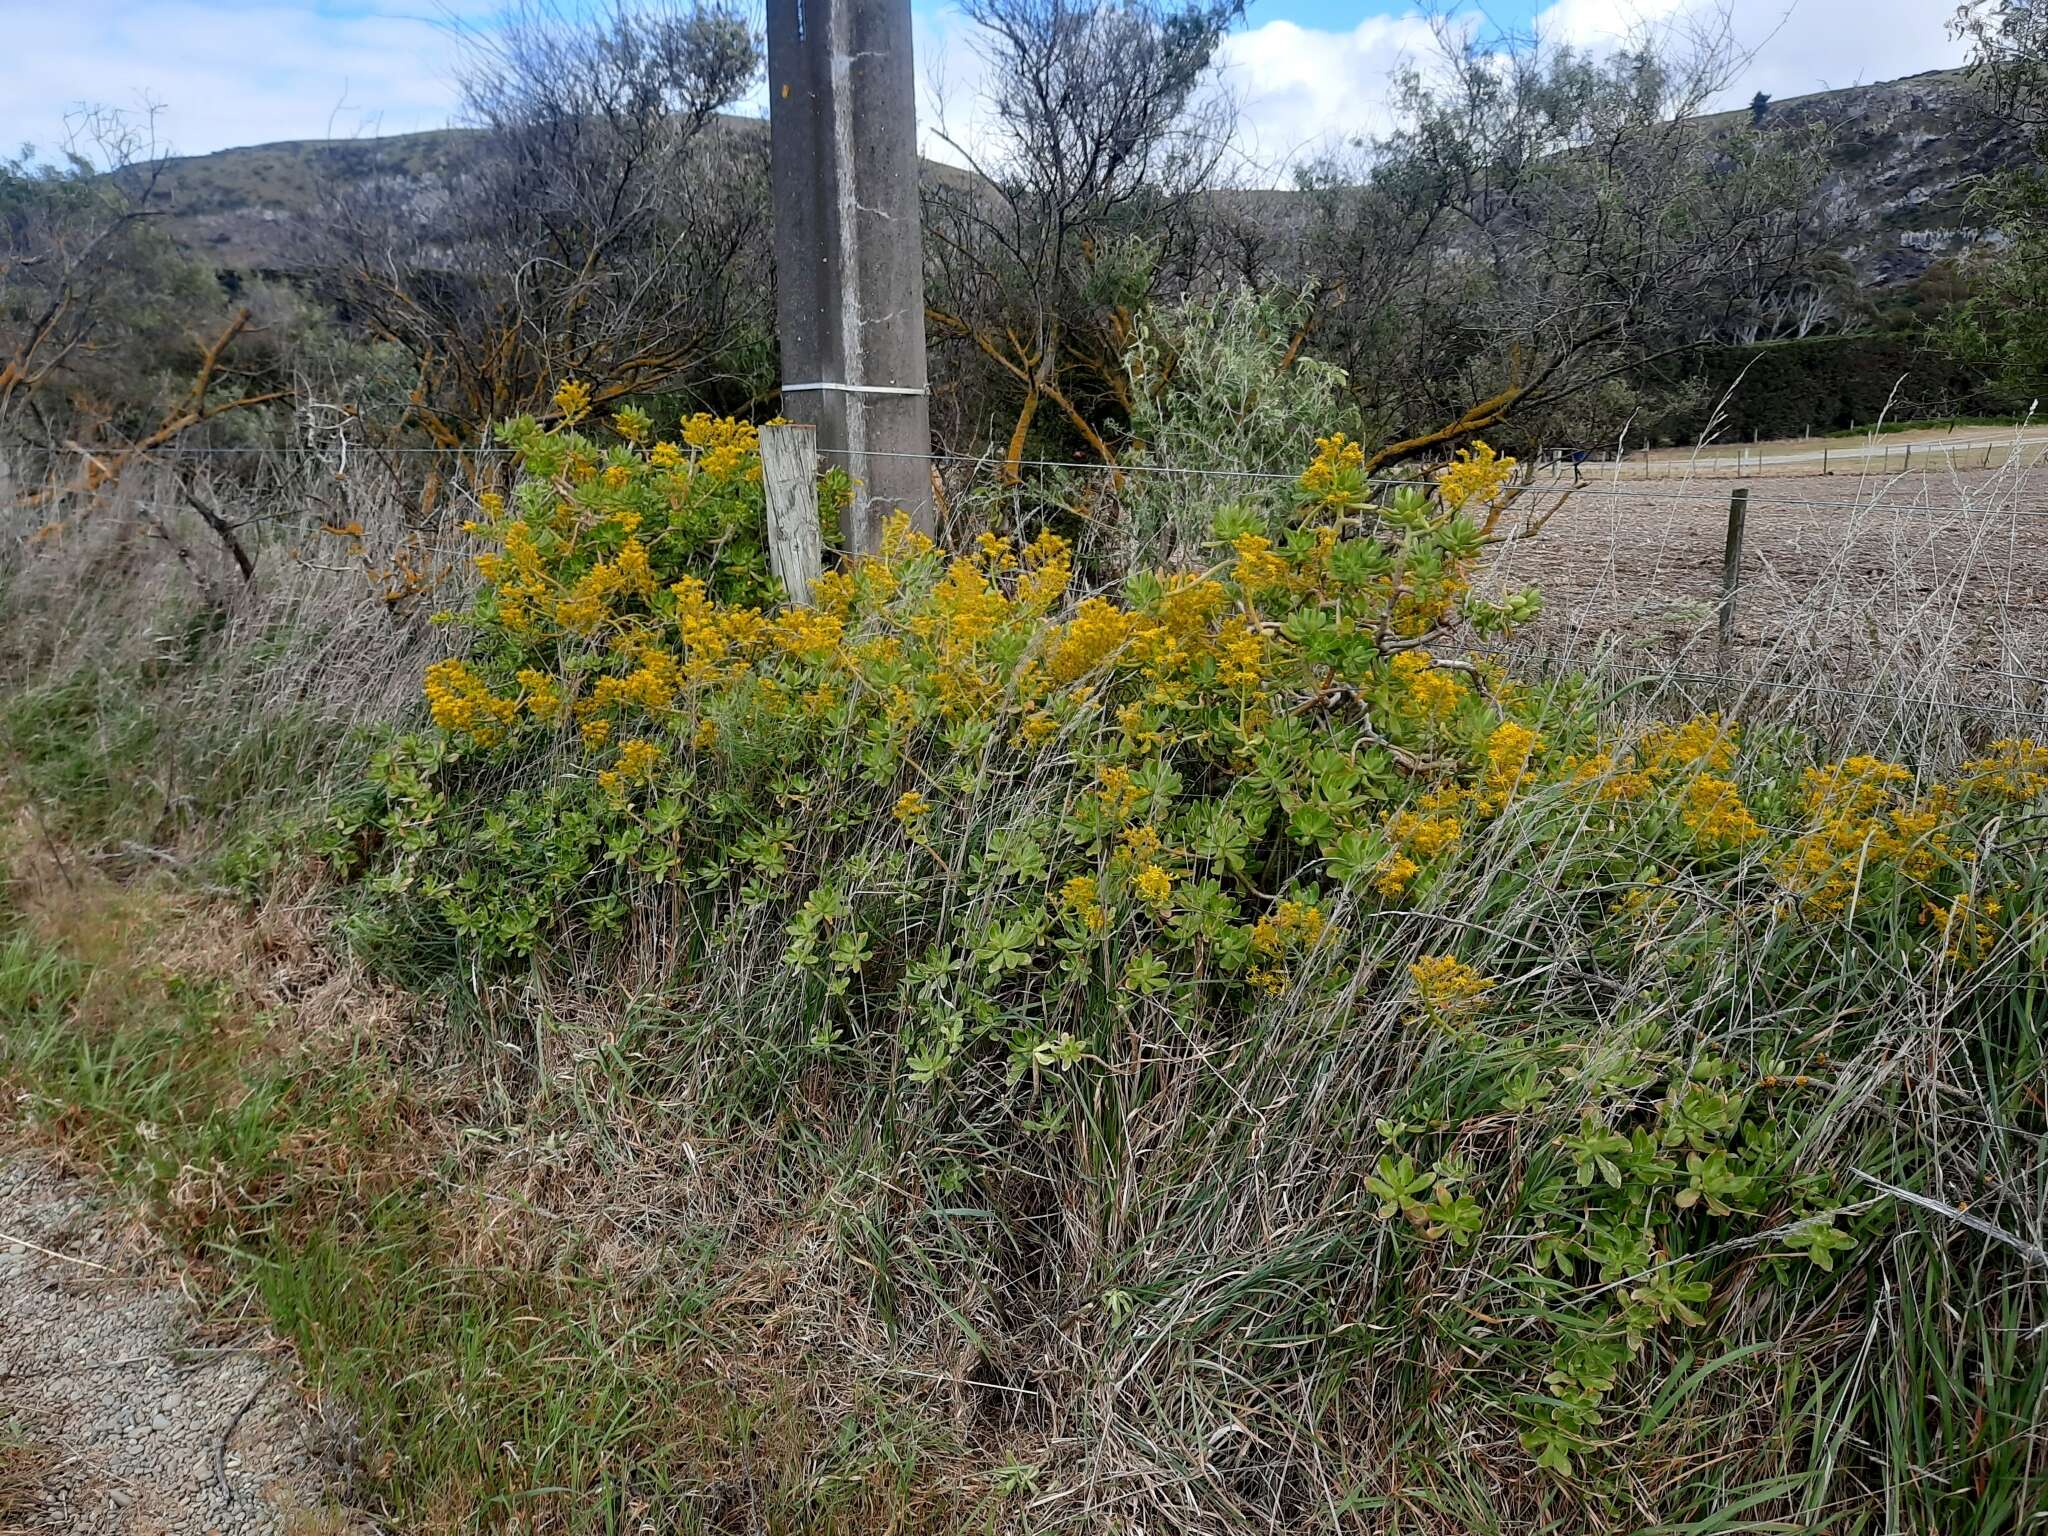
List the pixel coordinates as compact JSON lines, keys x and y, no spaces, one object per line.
{"x":1929,"y":582}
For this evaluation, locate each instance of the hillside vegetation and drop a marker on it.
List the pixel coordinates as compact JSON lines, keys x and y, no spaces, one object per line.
{"x":1170,"y":994}
{"x":981,"y":1052}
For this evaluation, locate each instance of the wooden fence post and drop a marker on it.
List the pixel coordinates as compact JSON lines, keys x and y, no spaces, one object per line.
{"x":789,"y":476}
{"x":1731,"y":573}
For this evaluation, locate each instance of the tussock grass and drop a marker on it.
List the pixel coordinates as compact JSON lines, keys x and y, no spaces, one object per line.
{"x":158,"y":699}
{"x":505,"y":1331}
{"x":24,"y":1462}
{"x":617,"y":1236}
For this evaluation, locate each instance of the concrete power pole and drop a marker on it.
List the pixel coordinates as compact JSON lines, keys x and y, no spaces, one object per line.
{"x":849,"y":260}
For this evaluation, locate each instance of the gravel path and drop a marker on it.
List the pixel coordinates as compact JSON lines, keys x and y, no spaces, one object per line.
{"x":113,"y":1409}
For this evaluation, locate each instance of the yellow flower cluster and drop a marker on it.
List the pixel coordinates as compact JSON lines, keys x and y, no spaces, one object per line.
{"x":725,"y":448}
{"x":1668,"y":759}
{"x":1969,"y":926}
{"x":539,"y":692}
{"x":572,"y":399}
{"x":1476,"y":474}
{"x":1509,"y":750}
{"x":1414,"y":837}
{"x":1240,"y":654}
{"x":650,"y":687}
{"x":1714,"y":813}
{"x":1081,"y":896}
{"x":1153,"y":885}
{"x":1257,"y":566}
{"x":1332,"y":475}
{"x":809,"y":634}
{"x":1703,"y":744}
{"x":2015,"y":770}
{"x":1048,"y":569}
{"x":1435,"y":693}
{"x":1090,"y":639}
{"x":1598,"y":772}
{"x":638,"y":759}
{"x":462,"y":702}
{"x":1449,"y":990}
{"x":1292,"y":927}
{"x":1861,"y":827}
{"x":1118,"y":790}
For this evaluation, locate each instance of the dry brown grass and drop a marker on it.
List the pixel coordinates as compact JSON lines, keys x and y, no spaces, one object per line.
{"x":23,"y":1465}
{"x":528,"y":1178}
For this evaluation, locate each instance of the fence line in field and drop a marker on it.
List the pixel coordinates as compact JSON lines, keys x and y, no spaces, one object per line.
{"x":1740,"y":685}
{"x":1984,"y":510}
{"x":1595,"y":482}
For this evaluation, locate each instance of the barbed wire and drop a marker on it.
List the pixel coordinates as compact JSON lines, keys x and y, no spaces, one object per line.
{"x":1738,"y":684}
{"x":1761,"y":498}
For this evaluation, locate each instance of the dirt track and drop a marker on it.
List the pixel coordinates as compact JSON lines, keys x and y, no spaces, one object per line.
{"x":1934,"y":450}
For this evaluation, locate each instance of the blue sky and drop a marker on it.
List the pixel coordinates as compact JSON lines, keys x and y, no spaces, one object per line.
{"x":1306,"y":72}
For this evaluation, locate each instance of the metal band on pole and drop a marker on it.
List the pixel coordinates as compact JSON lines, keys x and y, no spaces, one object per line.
{"x":861,"y":389}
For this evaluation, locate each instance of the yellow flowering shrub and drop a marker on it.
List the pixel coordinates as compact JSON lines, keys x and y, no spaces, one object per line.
{"x":625,"y":606}
{"x":1001,"y":834}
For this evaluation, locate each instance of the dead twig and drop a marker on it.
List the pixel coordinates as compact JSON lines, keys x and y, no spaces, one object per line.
{"x":220,"y":1449}
{"x":51,"y":1253}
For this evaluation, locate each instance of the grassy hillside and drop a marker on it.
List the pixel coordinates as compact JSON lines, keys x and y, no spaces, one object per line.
{"x":243,"y":209}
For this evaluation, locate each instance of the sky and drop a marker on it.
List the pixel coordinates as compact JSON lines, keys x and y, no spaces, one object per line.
{"x":1306,"y":73}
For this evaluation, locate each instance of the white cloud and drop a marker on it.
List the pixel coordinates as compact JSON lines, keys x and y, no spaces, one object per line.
{"x":225,"y":71}
{"x":1301,"y":90}
{"x":1818,"y":45}
{"x":1304,"y":88}
{"x":1793,"y":46}
{"x":1601,"y":23}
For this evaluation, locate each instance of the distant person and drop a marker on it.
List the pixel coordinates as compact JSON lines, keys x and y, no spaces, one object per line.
{"x":1578,"y":466}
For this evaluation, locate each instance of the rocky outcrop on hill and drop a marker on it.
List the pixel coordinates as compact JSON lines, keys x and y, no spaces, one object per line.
{"x":1904,"y":156}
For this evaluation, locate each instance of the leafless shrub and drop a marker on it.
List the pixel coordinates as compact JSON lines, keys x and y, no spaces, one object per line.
{"x":599,"y":223}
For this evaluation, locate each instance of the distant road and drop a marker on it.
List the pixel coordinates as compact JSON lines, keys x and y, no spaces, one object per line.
{"x":1931,"y":449}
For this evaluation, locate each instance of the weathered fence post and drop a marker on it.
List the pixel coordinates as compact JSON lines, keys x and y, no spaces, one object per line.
{"x":849,"y":262}
{"x":1731,"y":573}
{"x":789,"y":475}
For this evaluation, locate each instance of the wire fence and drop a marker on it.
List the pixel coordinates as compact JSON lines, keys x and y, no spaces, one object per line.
{"x":2002,"y":493}
{"x":1611,"y":478}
